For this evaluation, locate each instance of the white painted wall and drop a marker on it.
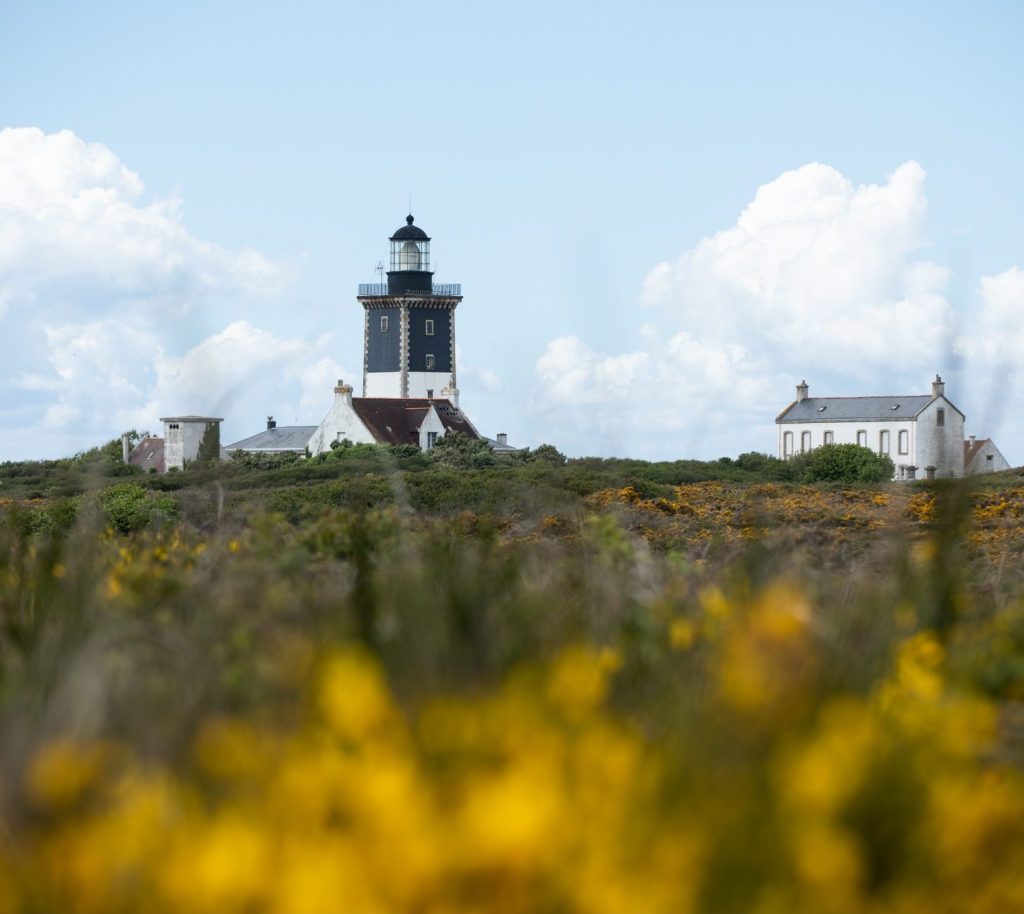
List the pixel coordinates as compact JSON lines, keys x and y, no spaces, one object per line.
{"x":989,"y":459}
{"x":383,"y":384}
{"x":431,"y":423}
{"x":422,"y":381}
{"x":341,"y":422}
{"x":181,"y":444}
{"x":846,"y":433}
{"x":940,"y":446}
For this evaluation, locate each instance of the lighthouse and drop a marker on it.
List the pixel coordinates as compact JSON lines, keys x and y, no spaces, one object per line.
{"x":409,"y":325}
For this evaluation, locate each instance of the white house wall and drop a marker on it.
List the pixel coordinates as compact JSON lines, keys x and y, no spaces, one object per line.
{"x":941,"y":446}
{"x":846,"y":433}
{"x":341,"y":422}
{"x":431,"y":423}
{"x":989,"y":459}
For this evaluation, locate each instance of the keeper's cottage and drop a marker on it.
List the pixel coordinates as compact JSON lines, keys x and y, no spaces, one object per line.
{"x":924,"y":435}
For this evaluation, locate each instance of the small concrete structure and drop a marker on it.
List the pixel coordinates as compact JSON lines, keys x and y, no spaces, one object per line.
{"x":189,"y":438}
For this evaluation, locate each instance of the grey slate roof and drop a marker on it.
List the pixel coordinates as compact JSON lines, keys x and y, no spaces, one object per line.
{"x":282,"y":438}
{"x":840,"y":409}
{"x":500,"y":448}
{"x":149,"y":454}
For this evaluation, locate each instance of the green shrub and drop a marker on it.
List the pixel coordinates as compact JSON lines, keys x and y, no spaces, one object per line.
{"x":128,"y":507}
{"x":842,"y":463}
{"x":460,"y":452}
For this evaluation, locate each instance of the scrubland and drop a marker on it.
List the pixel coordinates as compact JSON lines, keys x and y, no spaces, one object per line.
{"x":379,"y":684}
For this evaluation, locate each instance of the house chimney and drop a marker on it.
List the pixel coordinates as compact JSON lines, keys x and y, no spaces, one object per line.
{"x":125,"y":450}
{"x":502,"y":438}
{"x":344,"y":391}
{"x":801,"y":391}
{"x":452,"y":394}
{"x":972,"y":438}
{"x":271,"y":423}
{"x":938,"y":388}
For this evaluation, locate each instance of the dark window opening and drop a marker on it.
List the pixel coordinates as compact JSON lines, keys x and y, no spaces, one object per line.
{"x":940,"y":417}
{"x":429,"y":361}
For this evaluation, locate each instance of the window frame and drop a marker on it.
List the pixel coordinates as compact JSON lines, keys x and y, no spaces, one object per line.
{"x":805,"y":442}
{"x":884,"y":442}
{"x":384,"y":323}
{"x":431,"y":440}
{"x":428,"y":326}
{"x":428,"y":361}
{"x":903,"y":442}
{"x":829,"y":437}
{"x":940,"y":417}
{"x":787,"y":444}
{"x":862,"y":437}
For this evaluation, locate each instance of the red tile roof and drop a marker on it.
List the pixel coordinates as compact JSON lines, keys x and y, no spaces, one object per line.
{"x":398,"y":421}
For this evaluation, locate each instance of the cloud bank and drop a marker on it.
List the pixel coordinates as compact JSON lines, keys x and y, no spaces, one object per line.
{"x":105,"y":293}
{"x":819,"y":279}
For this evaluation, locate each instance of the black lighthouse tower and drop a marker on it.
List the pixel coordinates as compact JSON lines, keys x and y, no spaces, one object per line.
{"x":409,"y":327}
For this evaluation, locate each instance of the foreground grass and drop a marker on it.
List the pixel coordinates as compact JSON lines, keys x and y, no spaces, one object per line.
{"x":483,"y":691}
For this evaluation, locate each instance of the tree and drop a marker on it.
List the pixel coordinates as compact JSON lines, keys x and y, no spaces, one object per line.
{"x":843,"y":463}
{"x":461,"y":452}
{"x":548,"y":453}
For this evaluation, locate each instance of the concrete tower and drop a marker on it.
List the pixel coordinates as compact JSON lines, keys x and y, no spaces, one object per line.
{"x":409,"y":325}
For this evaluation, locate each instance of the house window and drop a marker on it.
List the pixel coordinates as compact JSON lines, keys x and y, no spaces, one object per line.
{"x":940,"y":417}
{"x":903,"y":441}
{"x":883,"y":442}
{"x":805,"y":442}
{"x":787,"y":444}
{"x":431,"y":439}
{"x":862,"y":438}
{"x":430,"y":327}
{"x":430,"y":361}
{"x":430,"y":393}
{"x":830,"y":438}
{"x":383,"y":323}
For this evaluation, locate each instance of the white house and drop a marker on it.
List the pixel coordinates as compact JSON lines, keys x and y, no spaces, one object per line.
{"x":982,"y":456}
{"x":389,"y":420}
{"x":921,"y":433}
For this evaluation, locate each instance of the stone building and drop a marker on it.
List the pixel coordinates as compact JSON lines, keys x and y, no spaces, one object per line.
{"x":923,"y":434}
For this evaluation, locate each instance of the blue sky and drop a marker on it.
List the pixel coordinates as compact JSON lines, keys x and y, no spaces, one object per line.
{"x":557,"y":154}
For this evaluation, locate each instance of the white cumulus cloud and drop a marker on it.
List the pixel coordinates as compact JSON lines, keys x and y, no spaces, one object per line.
{"x":107,"y":302}
{"x":818,"y":278}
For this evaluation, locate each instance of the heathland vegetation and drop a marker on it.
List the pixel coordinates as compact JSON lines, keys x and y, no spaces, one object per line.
{"x":387,"y":681}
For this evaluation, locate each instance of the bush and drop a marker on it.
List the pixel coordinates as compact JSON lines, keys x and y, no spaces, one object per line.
{"x":460,"y":452}
{"x":548,"y":453}
{"x":127,"y":507}
{"x":842,"y":463}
